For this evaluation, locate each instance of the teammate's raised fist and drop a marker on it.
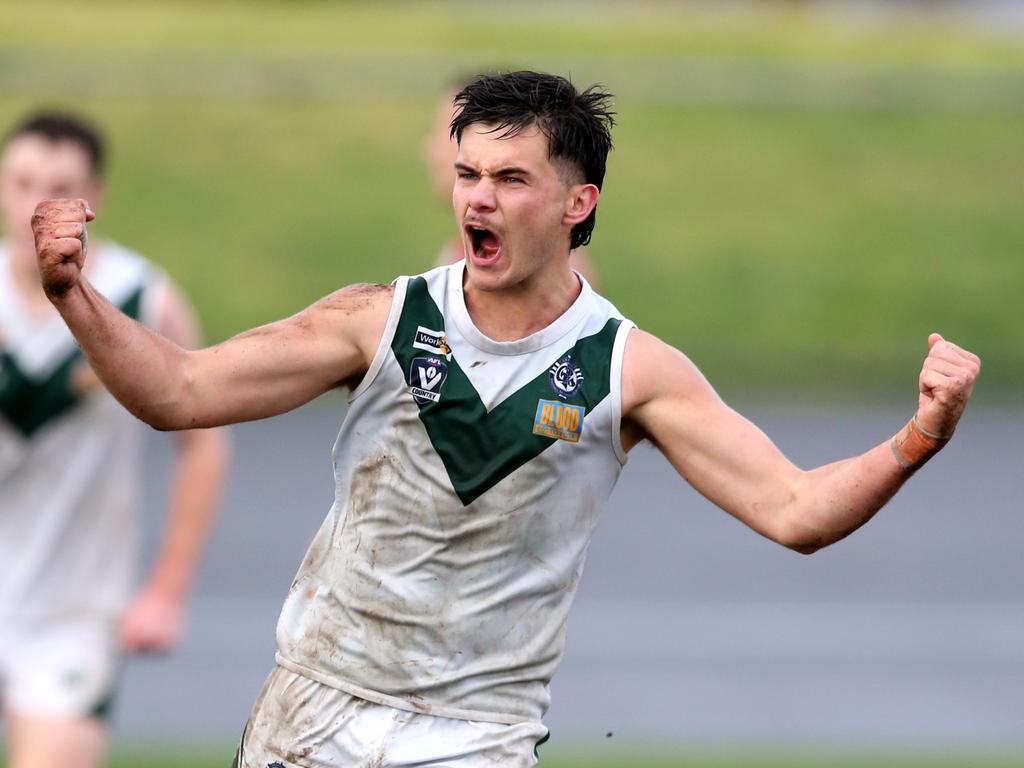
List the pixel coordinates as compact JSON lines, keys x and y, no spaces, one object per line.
{"x":947,"y":378}
{"x":60,"y":235}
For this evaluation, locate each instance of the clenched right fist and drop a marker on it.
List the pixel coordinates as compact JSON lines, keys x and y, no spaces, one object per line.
{"x":59,"y":228}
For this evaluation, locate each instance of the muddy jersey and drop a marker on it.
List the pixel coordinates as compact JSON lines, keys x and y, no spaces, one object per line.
{"x":469,"y":474}
{"x":68,"y":456}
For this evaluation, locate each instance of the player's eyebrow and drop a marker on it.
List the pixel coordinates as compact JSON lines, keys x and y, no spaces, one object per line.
{"x":510,"y":170}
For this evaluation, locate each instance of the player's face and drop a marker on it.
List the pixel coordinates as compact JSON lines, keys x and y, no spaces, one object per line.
{"x":33,"y":169}
{"x":511,"y":205}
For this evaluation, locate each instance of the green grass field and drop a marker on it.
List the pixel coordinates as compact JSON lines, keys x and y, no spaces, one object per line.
{"x":643,"y":759}
{"x":794,"y":200}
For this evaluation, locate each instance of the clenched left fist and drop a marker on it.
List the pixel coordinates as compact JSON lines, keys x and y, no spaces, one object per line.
{"x":59,"y":229}
{"x":946,"y":381}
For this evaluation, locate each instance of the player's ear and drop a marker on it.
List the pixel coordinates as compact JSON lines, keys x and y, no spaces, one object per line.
{"x":580,"y":202}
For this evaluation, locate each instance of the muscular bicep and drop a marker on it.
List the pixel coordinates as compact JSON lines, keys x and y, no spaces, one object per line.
{"x":277,"y":367}
{"x":719,"y":452}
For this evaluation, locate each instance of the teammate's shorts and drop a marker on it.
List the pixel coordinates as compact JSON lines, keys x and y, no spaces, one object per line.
{"x":58,"y":666}
{"x":300,"y":722}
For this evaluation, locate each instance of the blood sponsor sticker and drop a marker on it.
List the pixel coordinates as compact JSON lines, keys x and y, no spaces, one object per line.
{"x":562,"y":421}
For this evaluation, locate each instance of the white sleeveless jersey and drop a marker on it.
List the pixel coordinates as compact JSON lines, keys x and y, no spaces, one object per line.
{"x":469,"y":475}
{"x":68,"y":456}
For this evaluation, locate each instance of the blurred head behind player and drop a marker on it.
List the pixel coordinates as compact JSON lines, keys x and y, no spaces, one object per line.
{"x":48,"y":155}
{"x":529,"y":169}
{"x":439,"y":148}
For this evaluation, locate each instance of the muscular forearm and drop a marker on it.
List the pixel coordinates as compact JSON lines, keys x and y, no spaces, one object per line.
{"x":835,"y":500}
{"x":143,"y":370}
{"x":832,"y":501}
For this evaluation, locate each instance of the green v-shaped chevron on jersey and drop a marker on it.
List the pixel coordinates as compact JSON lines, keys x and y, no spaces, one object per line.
{"x":28,"y":404}
{"x":479,"y":448}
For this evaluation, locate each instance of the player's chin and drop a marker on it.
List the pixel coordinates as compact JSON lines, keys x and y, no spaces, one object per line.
{"x":488,"y":273}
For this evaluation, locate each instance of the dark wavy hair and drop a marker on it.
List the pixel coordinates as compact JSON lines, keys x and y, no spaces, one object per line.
{"x":577,"y":124}
{"x":62,"y":126}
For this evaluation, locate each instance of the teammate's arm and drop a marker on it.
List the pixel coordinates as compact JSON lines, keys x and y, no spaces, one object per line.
{"x":259,"y":373}
{"x":736,"y":466}
{"x":154,"y":619}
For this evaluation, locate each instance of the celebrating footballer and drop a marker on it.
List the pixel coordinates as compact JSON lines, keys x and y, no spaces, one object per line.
{"x":493,"y":403}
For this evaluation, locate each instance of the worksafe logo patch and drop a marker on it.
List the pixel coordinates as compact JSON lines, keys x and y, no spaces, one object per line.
{"x":431,"y":341}
{"x":562,"y":421}
{"x":426,"y":377}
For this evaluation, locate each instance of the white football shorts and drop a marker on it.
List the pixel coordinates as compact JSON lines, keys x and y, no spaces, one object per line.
{"x":58,"y":666}
{"x":300,"y":722}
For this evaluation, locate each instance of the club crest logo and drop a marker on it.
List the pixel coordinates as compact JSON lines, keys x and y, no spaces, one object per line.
{"x":426,"y":377}
{"x":431,"y":341}
{"x":565,"y":377}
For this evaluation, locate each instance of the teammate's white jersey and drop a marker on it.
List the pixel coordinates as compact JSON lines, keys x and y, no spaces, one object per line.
{"x":68,"y":455}
{"x":469,"y":475}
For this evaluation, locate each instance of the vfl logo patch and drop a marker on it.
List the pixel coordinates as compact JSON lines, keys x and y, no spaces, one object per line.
{"x":426,"y":376}
{"x":561,"y":421}
{"x":431,"y":341}
{"x":565,"y":376}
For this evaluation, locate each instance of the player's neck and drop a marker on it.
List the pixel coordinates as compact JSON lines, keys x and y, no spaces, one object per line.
{"x":514,"y":313}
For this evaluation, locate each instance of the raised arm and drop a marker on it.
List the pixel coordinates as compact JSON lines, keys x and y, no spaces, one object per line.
{"x":259,"y":373}
{"x":736,"y":466}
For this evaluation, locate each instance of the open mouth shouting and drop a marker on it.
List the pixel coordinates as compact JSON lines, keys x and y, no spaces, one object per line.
{"x":484,"y":242}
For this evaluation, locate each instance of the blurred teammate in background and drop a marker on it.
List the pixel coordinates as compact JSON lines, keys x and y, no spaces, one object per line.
{"x":70,"y":473}
{"x":439,"y":152}
{"x":493,"y":404}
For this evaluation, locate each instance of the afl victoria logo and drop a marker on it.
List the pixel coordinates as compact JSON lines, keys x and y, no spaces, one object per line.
{"x":426,"y":376}
{"x":565,"y":376}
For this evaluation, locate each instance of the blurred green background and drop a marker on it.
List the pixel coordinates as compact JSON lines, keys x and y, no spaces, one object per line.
{"x":797,"y":197}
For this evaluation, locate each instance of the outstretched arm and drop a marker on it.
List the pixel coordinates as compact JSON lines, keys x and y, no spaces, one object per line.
{"x":736,"y":466}
{"x":259,"y":373}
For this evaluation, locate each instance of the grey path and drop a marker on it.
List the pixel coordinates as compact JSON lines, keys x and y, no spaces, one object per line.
{"x":688,"y":628}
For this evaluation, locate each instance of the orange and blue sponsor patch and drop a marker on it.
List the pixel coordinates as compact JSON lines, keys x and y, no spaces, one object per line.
{"x":562,"y":421}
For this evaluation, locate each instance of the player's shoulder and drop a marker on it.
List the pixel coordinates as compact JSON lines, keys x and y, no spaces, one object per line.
{"x":646,"y":354}
{"x":653,"y":368}
{"x":357,"y":299}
